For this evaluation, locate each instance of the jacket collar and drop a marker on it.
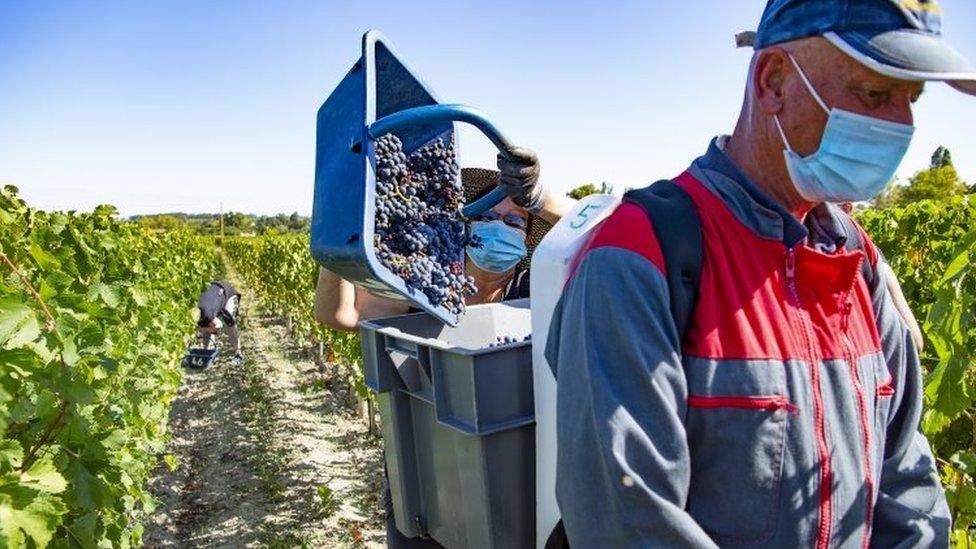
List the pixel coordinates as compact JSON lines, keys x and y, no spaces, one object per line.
{"x":759,"y":211}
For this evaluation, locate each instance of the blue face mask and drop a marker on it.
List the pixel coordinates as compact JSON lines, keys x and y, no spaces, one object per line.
{"x":857,"y":158}
{"x":502,"y":247}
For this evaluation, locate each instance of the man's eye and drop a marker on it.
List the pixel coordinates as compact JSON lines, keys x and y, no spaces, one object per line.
{"x":878,"y":96}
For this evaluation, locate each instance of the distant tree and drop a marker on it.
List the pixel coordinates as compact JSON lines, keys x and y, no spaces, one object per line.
{"x":941,"y":158}
{"x":299,"y":223}
{"x":939,"y":181}
{"x":588,"y":189}
{"x":236,"y":223}
{"x":162,"y":222}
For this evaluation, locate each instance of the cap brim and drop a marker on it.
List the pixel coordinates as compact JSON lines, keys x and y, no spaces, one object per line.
{"x":908,"y":55}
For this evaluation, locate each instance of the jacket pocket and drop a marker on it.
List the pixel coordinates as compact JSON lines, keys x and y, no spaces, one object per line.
{"x":736,"y":445}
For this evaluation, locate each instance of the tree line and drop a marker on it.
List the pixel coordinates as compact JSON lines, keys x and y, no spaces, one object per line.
{"x":235,"y":223}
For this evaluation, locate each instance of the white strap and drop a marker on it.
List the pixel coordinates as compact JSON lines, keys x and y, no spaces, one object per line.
{"x":806,"y":81}
{"x":781,"y":134}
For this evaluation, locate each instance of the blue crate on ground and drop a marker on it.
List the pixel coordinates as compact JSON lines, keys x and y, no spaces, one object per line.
{"x":199,"y":359}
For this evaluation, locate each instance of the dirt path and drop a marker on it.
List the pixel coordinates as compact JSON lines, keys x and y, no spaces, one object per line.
{"x":269,"y":453}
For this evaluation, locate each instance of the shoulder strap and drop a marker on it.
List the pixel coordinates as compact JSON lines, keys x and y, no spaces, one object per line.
{"x":674,"y":218}
{"x":856,"y":242}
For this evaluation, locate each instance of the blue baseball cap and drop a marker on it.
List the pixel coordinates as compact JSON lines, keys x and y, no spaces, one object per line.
{"x":897,"y":38}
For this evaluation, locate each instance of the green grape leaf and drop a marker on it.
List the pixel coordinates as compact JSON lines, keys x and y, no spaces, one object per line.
{"x":11,"y":454}
{"x":27,"y":512}
{"x":44,"y":260}
{"x":82,"y":530}
{"x":944,"y":387}
{"x":18,"y":323}
{"x":45,"y":476}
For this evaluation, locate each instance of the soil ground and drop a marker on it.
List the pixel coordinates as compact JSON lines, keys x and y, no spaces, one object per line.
{"x":271,"y":453}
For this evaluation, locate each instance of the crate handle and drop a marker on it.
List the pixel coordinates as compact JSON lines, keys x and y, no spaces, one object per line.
{"x":411,"y":362}
{"x":399,"y":346}
{"x":432,"y":114}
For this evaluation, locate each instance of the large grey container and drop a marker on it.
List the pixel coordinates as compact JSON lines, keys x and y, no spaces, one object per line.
{"x":458,"y":424}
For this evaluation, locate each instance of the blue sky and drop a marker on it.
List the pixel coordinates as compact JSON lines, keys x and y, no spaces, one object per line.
{"x":166,"y":106}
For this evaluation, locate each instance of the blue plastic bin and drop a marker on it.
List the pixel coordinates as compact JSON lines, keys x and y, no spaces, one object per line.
{"x":379,"y":95}
{"x":199,"y":359}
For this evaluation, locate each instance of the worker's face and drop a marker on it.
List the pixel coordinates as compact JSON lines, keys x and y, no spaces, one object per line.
{"x":512,"y":215}
{"x":502,"y":234}
{"x":842,"y":83}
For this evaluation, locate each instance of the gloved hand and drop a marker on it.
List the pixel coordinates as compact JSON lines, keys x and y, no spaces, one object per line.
{"x":519,"y":178}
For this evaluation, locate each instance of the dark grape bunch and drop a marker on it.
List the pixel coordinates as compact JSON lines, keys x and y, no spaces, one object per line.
{"x":420,"y":234}
{"x":505,"y":340}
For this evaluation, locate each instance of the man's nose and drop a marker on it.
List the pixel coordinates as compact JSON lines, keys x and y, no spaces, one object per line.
{"x":900,"y":109}
{"x":903,"y":113}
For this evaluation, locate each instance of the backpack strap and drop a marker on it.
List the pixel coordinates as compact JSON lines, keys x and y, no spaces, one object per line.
{"x":856,"y":241}
{"x":677,"y":226}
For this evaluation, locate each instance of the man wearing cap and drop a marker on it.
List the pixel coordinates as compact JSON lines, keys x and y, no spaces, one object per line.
{"x":779,"y":405}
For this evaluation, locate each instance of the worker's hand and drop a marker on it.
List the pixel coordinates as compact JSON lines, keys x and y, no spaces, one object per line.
{"x":520,"y":178}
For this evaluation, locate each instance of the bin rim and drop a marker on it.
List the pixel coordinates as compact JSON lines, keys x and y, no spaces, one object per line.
{"x":373,"y":326}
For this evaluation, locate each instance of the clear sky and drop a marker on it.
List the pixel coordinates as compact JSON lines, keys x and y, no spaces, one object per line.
{"x":178,"y":105}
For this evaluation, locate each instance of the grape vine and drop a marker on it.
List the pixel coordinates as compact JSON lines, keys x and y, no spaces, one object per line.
{"x":94,"y":317}
{"x":281,"y":270}
{"x":929,"y":245}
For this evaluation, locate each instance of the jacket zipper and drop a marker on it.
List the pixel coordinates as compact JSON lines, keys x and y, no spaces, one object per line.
{"x":862,"y":408}
{"x":823,"y":528}
{"x":768,"y":403}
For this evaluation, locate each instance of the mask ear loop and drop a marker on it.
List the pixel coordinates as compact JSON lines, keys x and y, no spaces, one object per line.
{"x":782,"y":135}
{"x":806,"y":81}
{"x":813,"y":93}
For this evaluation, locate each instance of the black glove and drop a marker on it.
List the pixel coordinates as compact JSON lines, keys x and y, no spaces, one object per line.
{"x":519,"y":176}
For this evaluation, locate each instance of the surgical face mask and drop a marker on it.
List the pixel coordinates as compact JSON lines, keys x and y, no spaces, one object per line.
{"x":857,"y":158}
{"x":502,"y":247}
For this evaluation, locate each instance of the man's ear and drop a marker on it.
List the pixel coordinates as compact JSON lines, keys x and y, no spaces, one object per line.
{"x":769,"y":78}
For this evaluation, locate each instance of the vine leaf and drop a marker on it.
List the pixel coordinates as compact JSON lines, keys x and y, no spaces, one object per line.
{"x":18,"y":323}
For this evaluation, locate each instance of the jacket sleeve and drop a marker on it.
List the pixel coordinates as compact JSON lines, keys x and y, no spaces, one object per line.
{"x":623,"y":466}
{"x":911,"y":510}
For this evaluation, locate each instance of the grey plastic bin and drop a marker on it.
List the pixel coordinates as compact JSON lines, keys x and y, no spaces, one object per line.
{"x":458,"y":424}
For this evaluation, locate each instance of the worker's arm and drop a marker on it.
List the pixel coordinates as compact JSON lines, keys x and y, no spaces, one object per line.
{"x":340,"y":305}
{"x":623,"y":461}
{"x":555,"y":207}
{"x":911,"y":509}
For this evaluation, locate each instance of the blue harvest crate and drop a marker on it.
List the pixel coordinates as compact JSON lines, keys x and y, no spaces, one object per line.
{"x":379,"y":95}
{"x":343,"y":213}
{"x":199,"y":359}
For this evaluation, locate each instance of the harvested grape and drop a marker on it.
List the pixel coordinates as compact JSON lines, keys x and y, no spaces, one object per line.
{"x":419,"y":232}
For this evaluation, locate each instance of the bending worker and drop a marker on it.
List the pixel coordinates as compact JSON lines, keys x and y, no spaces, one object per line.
{"x":217,"y":311}
{"x":780,"y":406}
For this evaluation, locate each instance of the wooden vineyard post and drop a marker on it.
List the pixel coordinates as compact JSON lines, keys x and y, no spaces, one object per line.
{"x":371,"y":429}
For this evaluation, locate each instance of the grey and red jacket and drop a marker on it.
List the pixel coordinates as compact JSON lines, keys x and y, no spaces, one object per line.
{"x":786,"y":416}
